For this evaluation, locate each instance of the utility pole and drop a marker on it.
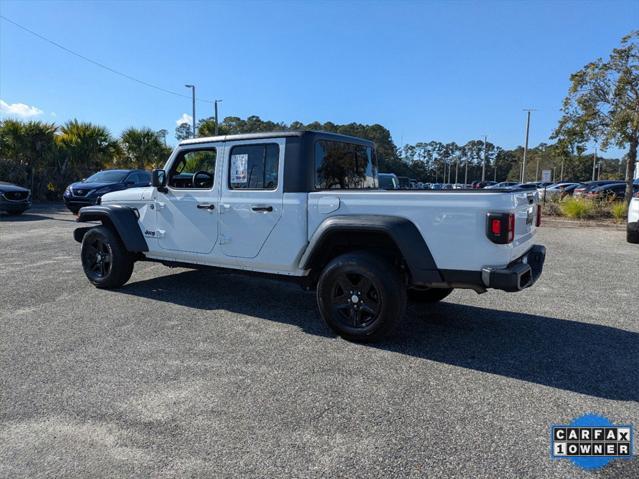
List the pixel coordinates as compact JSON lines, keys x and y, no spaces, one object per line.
{"x":594,"y":161}
{"x":466,"y":172}
{"x":523,"y":166}
{"x":216,"y":120}
{"x":483,"y":164}
{"x":456,"y":169}
{"x":192,"y":87}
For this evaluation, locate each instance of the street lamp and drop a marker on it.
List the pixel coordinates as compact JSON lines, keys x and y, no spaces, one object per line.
{"x":483,"y":163}
{"x":192,"y":87}
{"x":594,"y":161}
{"x":523,"y":166}
{"x":216,"y":120}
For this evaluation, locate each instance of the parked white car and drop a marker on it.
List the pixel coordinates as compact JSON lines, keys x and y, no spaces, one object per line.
{"x":555,"y":190}
{"x":633,"y":220}
{"x":307,"y":206}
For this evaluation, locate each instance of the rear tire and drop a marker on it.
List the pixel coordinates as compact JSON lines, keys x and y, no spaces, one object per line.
{"x":361,"y":296}
{"x":431,"y":295}
{"x":107,"y":264}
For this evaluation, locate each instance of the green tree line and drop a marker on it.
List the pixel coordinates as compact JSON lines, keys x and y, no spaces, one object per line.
{"x":46,"y":157}
{"x":602,"y":105}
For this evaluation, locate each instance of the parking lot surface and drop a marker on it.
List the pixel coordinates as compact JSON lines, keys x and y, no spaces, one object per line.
{"x":186,"y":373}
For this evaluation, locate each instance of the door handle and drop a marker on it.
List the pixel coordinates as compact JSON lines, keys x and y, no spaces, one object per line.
{"x":263,"y":208}
{"x":205,"y":206}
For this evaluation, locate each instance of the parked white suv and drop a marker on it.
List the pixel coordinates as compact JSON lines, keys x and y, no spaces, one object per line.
{"x":306,"y":205}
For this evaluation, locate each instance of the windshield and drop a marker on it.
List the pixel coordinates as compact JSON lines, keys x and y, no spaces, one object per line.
{"x":107,"y":177}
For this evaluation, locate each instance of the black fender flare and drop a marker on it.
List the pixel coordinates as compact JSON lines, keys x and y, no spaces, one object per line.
{"x":401,"y":231}
{"x":123,"y":219}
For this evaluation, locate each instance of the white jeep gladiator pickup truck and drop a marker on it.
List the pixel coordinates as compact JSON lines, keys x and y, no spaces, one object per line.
{"x":306,"y":205}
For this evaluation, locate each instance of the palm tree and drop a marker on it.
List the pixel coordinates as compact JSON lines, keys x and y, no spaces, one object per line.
{"x":30,"y":148}
{"x":85,"y":148}
{"x":142,"y":148}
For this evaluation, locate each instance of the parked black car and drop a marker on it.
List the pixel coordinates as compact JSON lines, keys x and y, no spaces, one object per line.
{"x":87,"y":192}
{"x":14,"y":199}
{"x":588,"y":186}
{"x":610,"y":192}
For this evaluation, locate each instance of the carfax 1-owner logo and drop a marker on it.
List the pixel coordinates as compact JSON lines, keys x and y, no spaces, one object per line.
{"x":591,"y":441}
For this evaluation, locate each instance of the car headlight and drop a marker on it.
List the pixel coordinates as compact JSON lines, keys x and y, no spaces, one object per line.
{"x":67,"y":191}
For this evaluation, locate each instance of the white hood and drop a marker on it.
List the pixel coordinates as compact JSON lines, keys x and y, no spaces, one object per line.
{"x":132,"y":194}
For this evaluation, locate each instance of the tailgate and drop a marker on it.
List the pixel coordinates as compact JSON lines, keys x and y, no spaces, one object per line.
{"x":526,"y":204}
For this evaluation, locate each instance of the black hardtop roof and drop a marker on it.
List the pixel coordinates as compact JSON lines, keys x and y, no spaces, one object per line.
{"x":278,"y":134}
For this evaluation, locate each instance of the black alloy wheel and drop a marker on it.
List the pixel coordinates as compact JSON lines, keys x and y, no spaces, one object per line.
{"x":98,"y":258}
{"x":105,"y":260}
{"x":361,"y":296}
{"x":356,"y":301}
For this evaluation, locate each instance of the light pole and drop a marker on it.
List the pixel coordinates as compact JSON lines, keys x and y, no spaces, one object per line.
{"x":192,"y":87}
{"x":466,"y":172}
{"x":483,"y":164}
{"x":594,"y":161}
{"x":523,"y":166}
{"x":216,"y":120}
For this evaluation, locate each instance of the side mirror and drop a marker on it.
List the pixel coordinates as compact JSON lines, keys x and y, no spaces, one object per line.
{"x":129,"y":183}
{"x":158,"y":180}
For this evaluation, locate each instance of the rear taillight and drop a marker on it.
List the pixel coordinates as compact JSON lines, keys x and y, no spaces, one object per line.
{"x":538,"y":219}
{"x":500,"y":227}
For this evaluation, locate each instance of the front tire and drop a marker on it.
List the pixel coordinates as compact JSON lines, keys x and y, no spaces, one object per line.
{"x":16,"y":212}
{"x":632,"y":236}
{"x":430,"y":295}
{"x":361,"y":296}
{"x":106,"y":263}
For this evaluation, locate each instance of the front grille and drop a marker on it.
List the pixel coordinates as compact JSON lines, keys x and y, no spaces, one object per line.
{"x":79,"y":192}
{"x":16,"y":195}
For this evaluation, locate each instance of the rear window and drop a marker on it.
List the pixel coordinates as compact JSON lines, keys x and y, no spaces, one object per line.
{"x":347,"y":166}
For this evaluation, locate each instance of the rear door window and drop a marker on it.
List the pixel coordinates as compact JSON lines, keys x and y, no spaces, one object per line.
{"x":254,"y":167}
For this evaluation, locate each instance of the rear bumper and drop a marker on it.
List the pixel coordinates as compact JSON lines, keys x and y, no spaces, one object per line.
{"x":520,"y":274}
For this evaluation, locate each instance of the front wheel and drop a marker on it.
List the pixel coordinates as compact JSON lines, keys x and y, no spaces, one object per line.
{"x":361,"y":296}
{"x":106,"y":263}
{"x":430,"y":295}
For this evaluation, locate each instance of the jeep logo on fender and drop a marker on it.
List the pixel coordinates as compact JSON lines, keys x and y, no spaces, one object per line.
{"x":149,"y":233}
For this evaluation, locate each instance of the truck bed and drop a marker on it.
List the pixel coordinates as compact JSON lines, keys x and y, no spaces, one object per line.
{"x":452,"y":222}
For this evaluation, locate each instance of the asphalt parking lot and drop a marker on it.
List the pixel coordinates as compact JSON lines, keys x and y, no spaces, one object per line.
{"x":199,"y":374}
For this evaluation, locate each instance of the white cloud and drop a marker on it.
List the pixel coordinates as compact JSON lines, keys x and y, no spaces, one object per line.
{"x":184,"y":119}
{"x":19,"y":109}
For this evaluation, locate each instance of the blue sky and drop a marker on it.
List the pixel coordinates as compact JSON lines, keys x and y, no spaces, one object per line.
{"x":443,"y":70}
